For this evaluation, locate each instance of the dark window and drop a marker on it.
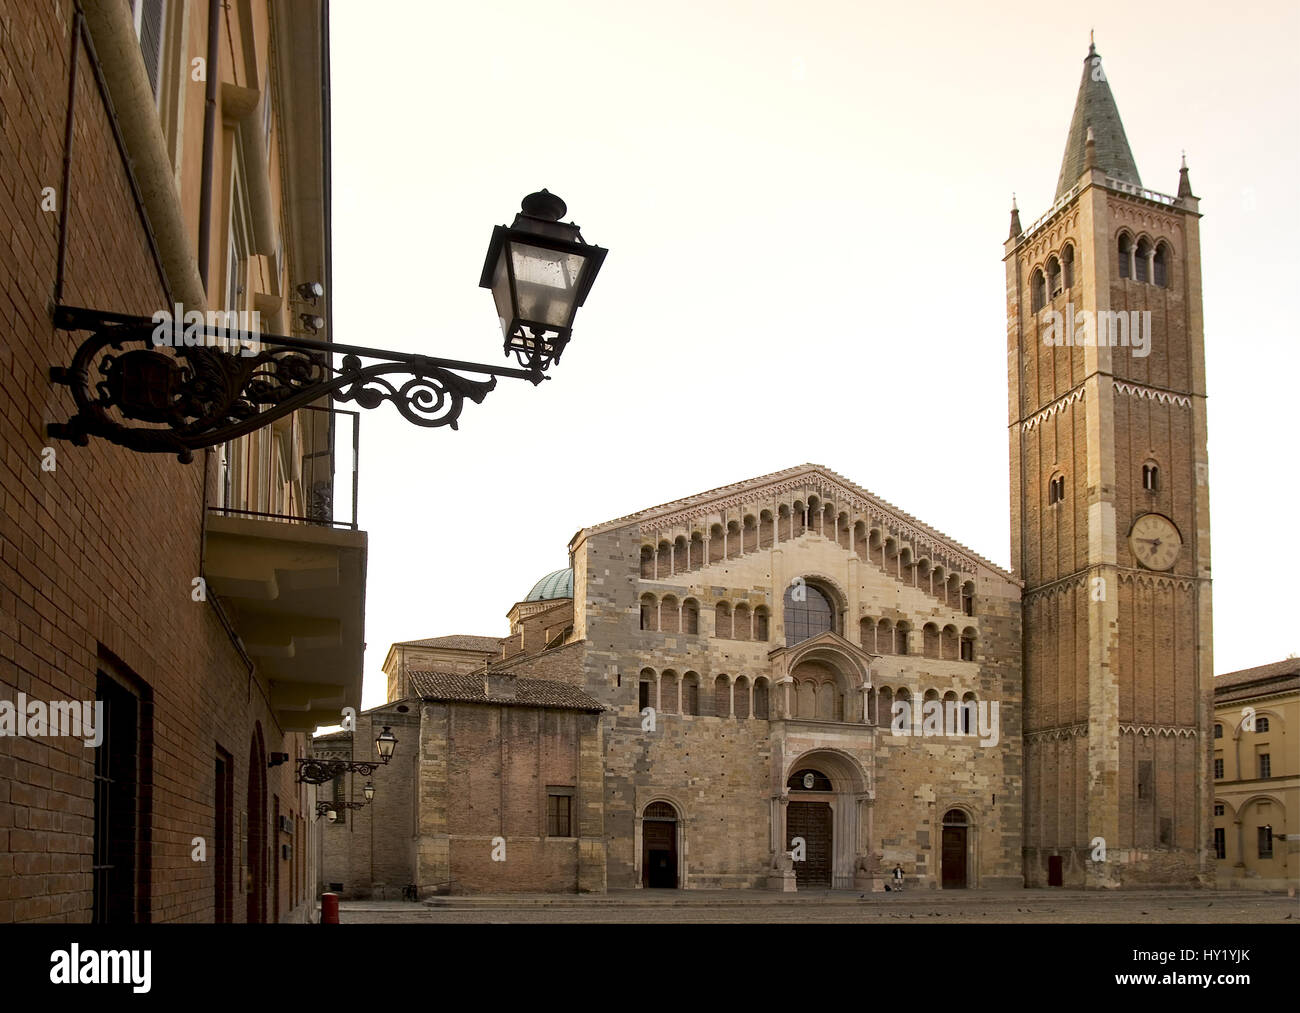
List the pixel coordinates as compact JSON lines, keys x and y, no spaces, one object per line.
{"x":760,"y":700}
{"x":1265,"y":842}
{"x":1220,"y":843}
{"x":1067,"y":266}
{"x":967,"y":648}
{"x":558,"y":815}
{"x":117,"y":806}
{"x":1038,"y":287}
{"x":1218,"y":767}
{"x":1056,"y":489}
{"x":1144,"y":779}
{"x":1054,"y":277}
{"x":1141,"y":261}
{"x":150,"y":27}
{"x":1125,"y":257}
{"x":1150,"y":477}
{"x":1218,"y":809}
{"x":643,"y":698}
{"x":1162,"y":266}
{"x":1261,"y":724}
{"x":1265,"y":765}
{"x":1218,"y":731}
{"x":807,"y":618}
{"x":340,"y":795}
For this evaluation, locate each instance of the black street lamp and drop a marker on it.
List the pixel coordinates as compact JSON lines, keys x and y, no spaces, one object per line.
{"x":540,"y":271}
{"x":196,"y":384}
{"x":318,"y":770}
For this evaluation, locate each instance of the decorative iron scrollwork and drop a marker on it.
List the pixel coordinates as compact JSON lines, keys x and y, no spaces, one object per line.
{"x":184,"y":398}
{"x":314,"y":770}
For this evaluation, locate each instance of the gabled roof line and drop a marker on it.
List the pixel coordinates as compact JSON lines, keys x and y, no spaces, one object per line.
{"x":901,"y":520}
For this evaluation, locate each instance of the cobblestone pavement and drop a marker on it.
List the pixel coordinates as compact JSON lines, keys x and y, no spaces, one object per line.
{"x":1028,"y":906}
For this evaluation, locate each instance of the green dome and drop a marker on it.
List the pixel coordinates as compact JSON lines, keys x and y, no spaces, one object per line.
{"x":554,"y":585}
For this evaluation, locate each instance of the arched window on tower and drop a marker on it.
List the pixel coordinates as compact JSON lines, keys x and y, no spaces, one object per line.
{"x":1038,"y":290}
{"x":1161,"y":265}
{"x":1053,"y":277}
{"x":1056,"y":489}
{"x":1142,"y":261}
{"x":1067,"y":266}
{"x":1151,"y":476}
{"x":1125,"y":255}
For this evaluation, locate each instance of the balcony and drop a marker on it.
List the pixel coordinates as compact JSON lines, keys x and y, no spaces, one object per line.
{"x":289,"y":566}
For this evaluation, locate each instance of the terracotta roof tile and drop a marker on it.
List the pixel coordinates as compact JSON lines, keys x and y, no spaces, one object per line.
{"x":543,"y":693}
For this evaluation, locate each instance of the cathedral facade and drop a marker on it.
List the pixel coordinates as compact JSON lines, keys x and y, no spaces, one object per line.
{"x":788,"y":683}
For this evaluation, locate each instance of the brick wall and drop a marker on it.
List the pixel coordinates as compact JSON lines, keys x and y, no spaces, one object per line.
{"x":97,"y":557}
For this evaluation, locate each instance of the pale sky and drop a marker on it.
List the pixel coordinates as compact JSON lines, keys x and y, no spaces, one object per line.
{"x":804,"y":207}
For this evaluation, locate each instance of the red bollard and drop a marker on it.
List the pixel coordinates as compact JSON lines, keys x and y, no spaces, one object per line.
{"x":329,"y":909}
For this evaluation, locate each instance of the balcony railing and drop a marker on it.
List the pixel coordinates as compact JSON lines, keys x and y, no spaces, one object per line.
{"x":316,"y":474}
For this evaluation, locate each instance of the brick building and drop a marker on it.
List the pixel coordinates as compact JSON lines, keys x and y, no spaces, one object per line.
{"x":161,"y":152}
{"x":1110,"y":516}
{"x":754,"y":647}
{"x":787,"y":657}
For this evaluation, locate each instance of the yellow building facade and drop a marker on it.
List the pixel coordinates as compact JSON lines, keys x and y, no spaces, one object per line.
{"x":1257,"y":777}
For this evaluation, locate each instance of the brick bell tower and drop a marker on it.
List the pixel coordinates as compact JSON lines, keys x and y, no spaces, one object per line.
{"x":1110,"y":523}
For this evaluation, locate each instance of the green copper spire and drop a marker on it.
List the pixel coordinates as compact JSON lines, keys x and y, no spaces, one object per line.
{"x":1095,"y":108}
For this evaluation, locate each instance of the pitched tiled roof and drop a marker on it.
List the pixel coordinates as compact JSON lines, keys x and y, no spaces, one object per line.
{"x":456,"y":642}
{"x":528,"y":692}
{"x":1264,"y":673}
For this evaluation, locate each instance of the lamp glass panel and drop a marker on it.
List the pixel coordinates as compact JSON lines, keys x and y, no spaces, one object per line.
{"x":501,"y":292}
{"x":546,"y":283}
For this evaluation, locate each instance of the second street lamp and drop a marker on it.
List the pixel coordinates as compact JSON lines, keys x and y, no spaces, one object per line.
{"x":318,"y":770}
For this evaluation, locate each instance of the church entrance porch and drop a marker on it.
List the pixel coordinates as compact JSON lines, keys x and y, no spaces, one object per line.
{"x":821,"y":823}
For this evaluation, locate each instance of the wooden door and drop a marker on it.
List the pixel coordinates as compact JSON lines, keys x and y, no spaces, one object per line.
{"x":812,"y":822}
{"x":954,"y":858}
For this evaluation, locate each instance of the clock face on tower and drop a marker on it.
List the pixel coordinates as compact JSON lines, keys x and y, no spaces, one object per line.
{"x":1155,"y":541}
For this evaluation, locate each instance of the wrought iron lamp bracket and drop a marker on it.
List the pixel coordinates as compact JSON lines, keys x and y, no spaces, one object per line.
{"x":314,"y":770}
{"x":183,"y":397}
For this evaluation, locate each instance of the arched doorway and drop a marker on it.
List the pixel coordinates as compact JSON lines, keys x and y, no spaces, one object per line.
{"x":659,"y":846}
{"x":255,"y":831}
{"x":825,"y":801}
{"x":810,"y":820}
{"x":953,"y":850}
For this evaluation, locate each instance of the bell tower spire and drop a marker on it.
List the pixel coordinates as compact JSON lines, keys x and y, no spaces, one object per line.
{"x":1095,"y":111}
